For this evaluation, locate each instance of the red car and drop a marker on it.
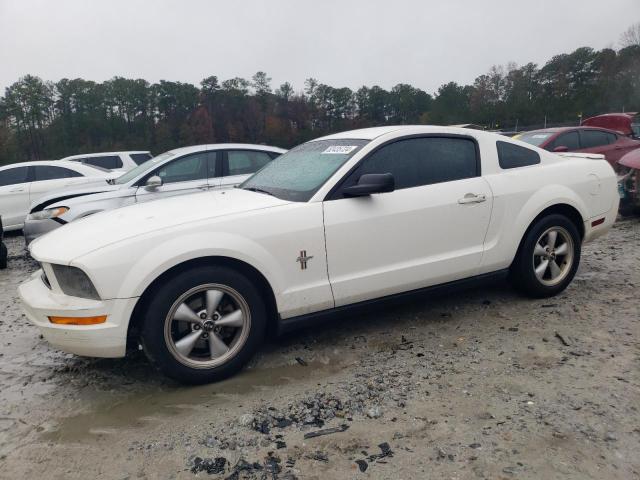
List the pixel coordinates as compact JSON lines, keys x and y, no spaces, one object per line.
{"x":613,"y":145}
{"x":625,"y":123}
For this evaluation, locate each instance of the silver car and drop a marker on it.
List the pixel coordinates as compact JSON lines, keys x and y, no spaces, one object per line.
{"x":176,"y":172}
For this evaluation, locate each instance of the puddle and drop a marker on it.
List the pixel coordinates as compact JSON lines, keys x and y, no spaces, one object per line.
{"x":110,"y":417}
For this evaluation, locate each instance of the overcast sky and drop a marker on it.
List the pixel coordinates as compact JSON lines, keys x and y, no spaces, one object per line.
{"x":339,"y":42}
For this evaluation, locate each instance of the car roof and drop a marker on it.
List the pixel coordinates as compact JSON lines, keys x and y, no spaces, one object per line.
{"x":566,"y":129}
{"x":54,"y":163}
{"x":103,"y":154}
{"x":375,"y":132}
{"x":221,"y":146}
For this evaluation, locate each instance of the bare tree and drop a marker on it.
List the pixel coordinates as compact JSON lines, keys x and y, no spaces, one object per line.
{"x":631,"y":37}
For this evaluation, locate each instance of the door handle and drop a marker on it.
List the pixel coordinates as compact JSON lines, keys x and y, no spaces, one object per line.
{"x":203,"y":187}
{"x":17,"y":190}
{"x":472,"y":198}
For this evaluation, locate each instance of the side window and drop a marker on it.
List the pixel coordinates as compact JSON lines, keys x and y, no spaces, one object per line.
{"x":14,"y":176}
{"x":140,"y":158}
{"x":243,"y":162}
{"x":422,"y":161}
{"x":184,"y":169}
{"x":593,"y":138}
{"x":613,"y":138}
{"x":514,"y":156}
{"x":108,"y":161}
{"x":49,"y":172}
{"x":569,"y":140}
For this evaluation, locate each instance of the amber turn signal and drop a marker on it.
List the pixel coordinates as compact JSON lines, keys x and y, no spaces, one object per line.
{"x":78,"y":320}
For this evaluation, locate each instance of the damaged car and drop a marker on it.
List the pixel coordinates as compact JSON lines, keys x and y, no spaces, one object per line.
{"x":333,"y":225}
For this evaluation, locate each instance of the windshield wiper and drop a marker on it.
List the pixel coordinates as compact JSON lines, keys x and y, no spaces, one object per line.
{"x":259,"y":190}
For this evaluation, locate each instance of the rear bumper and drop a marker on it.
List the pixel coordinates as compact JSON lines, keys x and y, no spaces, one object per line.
{"x":594,"y":229}
{"x":108,"y":339}
{"x":36,"y":228}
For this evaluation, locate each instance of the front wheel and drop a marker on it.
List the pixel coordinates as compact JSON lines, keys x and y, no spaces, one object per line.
{"x":548,"y":257}
{"x":204,"y":324}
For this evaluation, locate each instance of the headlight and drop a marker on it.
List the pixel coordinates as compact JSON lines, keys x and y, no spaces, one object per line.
{"x":74,"y":282}
{"x":48,"y":213}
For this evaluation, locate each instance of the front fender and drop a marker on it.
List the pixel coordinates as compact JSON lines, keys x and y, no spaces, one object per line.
{"x":128,"y":273}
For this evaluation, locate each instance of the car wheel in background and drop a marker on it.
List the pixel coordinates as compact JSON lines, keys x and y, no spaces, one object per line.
{"x":548,"y":257}
{"x":204,"y":324}
{"x":4,"y":253}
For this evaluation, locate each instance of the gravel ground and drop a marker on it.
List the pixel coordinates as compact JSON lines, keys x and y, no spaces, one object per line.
{"x":479,"y":384}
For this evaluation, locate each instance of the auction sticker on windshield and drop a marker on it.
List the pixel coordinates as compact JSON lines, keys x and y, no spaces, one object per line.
{"x":340,"y":149}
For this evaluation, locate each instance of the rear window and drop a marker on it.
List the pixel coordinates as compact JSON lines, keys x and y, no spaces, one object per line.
{"x":108,"y":161}
{"x":515,"y":156}
{"x":140,"y":158}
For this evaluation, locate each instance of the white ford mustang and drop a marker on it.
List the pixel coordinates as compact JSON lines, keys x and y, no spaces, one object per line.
{"x":331,"y":225}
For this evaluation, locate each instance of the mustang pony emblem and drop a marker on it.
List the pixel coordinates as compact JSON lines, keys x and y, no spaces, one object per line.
{"x":303,"y":259}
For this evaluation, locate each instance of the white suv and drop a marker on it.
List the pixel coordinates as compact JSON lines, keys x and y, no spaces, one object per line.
{"x":114,"y":161}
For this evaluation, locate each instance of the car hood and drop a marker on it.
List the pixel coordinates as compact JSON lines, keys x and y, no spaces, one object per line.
{"x":96,"y":231}
{"x":89,"y":188}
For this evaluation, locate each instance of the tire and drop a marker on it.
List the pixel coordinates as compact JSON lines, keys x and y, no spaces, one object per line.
{"x":3,"y":256}
{"x":533,"y":253}
{"x":192,"y":352}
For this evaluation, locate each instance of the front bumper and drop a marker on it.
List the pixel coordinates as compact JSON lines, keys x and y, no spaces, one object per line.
{"x":107,"y":339}
{"x":36,"y":228}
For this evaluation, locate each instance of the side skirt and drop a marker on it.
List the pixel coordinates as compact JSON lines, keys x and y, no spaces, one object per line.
{"x":315,"y":318}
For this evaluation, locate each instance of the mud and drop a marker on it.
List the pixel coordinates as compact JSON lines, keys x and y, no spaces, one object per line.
{"x":478,"y":384}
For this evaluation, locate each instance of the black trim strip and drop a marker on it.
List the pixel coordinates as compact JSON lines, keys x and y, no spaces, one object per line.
{"x":43,"y":205}
{"x":311,"y":319}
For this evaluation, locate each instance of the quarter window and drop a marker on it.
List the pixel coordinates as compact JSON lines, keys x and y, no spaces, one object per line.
{"x":422,"y":161}
{"x":594,"y":138}
{"x":50,"y":172}
{"x":185,"y":169}
{"x":569,"y":140}
{"x":140,"y":158}
{"x":514,"y":156}
{"x":14,"y":176}
{"x":244,"y":162}
{"x":107,"y":161}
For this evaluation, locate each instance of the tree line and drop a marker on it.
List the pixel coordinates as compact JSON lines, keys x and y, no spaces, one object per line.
{"x":44,"y":120}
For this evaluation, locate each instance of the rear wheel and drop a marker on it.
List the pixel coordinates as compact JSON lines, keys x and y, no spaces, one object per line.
{"x":3,"y":256}
{"x":204,"y":324}
{"x":548,"y":257}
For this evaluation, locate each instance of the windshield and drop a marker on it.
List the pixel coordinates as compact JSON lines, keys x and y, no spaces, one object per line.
{"x":299,"y":173}
{"x":534,"y":138}
{"x":142,"y":168}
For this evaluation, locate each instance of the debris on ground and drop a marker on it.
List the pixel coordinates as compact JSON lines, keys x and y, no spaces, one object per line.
{"x":562,"y":339}
{"x":326,"y":431}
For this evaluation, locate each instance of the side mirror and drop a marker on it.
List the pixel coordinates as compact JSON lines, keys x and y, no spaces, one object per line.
{"x":561,"y":149}
{"x":153,"y":183}
{"x":371,"y":183}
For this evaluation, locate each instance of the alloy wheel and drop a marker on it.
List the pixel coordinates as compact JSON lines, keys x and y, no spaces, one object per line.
{"x":553,"y":256}
{"x":207,"y":326}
